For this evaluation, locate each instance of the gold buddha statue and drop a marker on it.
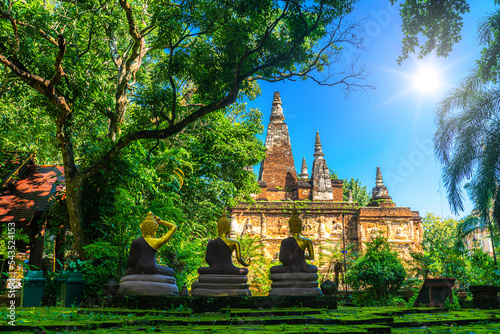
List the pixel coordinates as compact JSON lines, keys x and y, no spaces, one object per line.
{"x":142,"y":254}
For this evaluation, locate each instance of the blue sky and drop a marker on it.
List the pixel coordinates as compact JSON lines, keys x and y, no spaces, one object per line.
{"x":391,"y":126}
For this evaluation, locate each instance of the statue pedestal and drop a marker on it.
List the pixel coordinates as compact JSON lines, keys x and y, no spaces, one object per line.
{"x":294,"y":284}
{"x":221,"y":285}
{"x":147,"y":285}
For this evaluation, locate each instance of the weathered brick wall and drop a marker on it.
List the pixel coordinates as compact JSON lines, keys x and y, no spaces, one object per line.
{"x":338,"y":195}
{"x":278,"y":169}
{"x":401,"y":226}
{"x":321,"y":221}
{"x":275,"y":194}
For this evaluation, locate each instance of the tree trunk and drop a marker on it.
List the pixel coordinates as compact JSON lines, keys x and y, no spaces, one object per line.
{"x":117,"y":117}
{"x":74,"y":201}
{"x":73,"y":179}
{"x":59,"y":248}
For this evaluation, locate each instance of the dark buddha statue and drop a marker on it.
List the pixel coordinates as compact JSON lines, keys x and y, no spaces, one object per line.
{"x":221,"y":277}
{"x":145,"y":277}
{"x":295,"y":277}
{"x":142,"y":254}
{"x":292,"y":251}
{"x":219,"y":252}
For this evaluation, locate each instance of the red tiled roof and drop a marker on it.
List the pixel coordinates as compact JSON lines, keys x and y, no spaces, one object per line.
{"x":31,"y":193}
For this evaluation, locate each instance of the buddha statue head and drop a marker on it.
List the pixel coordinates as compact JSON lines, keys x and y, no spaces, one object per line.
{"x":295,"y":223}
{"x":149,"y":226}
{"x":224,"y":224}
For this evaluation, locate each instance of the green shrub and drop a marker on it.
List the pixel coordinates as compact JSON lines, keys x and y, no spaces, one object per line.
{"x":377,"y":275}
{"x":105,"y":264}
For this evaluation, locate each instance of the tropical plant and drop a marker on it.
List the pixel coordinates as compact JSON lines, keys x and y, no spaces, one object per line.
{"x":377,"y":275}
{"x":103,"y":266}
{"x":331,"y":261}
{"x":258,"y":271}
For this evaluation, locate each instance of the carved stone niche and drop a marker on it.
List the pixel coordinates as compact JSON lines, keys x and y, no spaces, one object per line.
{"x":376,"y":232}
{"x":248,"y":229}
{"x":401,"y":232}
{"x":308,"y":228}
{"x":336,"y":230}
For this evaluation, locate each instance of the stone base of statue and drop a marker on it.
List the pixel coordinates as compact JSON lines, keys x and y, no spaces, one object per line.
{"x":147,"y":285}
{"x":221,"y":285}
{"x":294,"y":284}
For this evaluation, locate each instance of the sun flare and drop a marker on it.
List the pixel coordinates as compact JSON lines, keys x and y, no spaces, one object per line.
{"x":427,"y":80}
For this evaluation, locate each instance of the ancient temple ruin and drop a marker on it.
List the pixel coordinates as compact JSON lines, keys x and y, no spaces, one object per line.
{"x":327,"y":218}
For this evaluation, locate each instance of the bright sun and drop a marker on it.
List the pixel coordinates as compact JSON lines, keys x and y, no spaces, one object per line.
{"x":427,"y":80}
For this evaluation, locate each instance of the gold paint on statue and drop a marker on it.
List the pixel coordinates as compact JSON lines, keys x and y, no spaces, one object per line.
{"x":149,"y":227}
{"x":295,"y":225}
{"x":224,"y":229}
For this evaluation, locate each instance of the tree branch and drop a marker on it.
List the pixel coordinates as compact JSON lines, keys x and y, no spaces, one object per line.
{"x":15,"y":23}
{"x":123,"y":142}
{"x":88,"y":44}
{"x":59,"y":69}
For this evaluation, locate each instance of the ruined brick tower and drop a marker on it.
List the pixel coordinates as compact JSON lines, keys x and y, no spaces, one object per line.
{"x":327,"y":218}
{"x":277,"y":171}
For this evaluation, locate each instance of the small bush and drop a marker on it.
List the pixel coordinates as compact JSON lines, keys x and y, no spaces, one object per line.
{"x":377,"y":275}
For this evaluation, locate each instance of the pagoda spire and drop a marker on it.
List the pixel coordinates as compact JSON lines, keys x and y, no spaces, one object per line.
{"x":303,"y":171}
{"x":380,"y":194}
{"x":276,"y":111}
{"x":318,"y":150}
{"x":379,"y":182}
{"x":320,"y":176}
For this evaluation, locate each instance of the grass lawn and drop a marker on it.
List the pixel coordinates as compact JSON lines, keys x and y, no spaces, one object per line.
{"x":293,"y":320}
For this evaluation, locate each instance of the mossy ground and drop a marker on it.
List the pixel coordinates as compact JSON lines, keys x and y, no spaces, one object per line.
{"x":293,"y":320}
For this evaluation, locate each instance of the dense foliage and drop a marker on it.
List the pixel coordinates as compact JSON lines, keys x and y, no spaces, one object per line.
{"x":358,"y":191}
{"x":437,"y":22}
{"x":102,"y":79}
{"x":445,"y":254}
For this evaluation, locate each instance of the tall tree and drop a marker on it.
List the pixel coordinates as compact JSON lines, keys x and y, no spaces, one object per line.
{"x":112,"y":72}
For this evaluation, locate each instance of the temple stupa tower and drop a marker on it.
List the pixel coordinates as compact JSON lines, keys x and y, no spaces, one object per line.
{"x":303,"y":170}
{"x":380,"y":194}
{"x":277,"y":175}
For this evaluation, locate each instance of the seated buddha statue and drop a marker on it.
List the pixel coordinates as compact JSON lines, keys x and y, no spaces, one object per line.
{"x":292,"y":250}
{"x":222,"y":277}
{"x":142,"y":254}
{"x":295,"y":276}
{"x":219,"y":252}
{"x":145,"y":277}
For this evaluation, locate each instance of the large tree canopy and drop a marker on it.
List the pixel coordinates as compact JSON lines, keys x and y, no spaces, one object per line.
{"x":108,"y":73}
